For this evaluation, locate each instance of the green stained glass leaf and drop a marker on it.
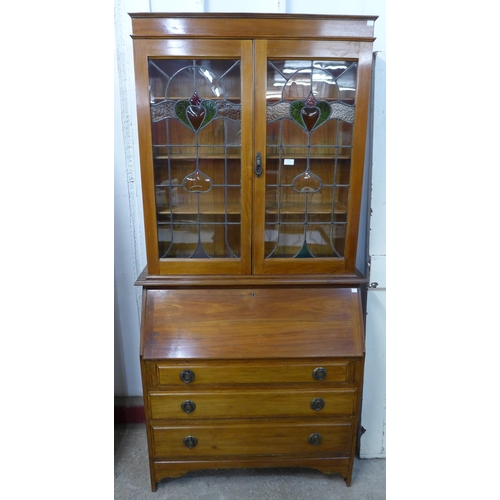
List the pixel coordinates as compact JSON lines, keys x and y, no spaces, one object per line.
{"x":325,"y":111}
{"x":296,"y":113}
{"x":211,"y":111}
{"x":180,"y":112}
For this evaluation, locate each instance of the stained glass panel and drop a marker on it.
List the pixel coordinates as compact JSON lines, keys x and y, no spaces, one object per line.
{"x":196,"y":129}
{"x":310,"y":116}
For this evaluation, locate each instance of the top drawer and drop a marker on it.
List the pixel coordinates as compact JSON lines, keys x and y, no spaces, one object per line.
{"x":252,"y":373}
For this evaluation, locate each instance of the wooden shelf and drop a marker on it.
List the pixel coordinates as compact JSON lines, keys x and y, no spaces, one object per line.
{"x":234,"y":208}
{"x":192,"y":157}
{"x":312,"y":208}
{"x":303,"y":157}
{"x":180,"y":157}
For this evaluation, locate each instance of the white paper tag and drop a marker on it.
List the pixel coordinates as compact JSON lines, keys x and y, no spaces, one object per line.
{"x":289,"y":161}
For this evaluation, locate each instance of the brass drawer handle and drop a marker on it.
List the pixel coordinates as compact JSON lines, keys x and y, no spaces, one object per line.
{"x":319,"y":373}
{"x":187,"y":376}
{"x":188,"y":406}
{"x":317,"y":404}
{"x":315,"y":439}
{"x":190,"y":441}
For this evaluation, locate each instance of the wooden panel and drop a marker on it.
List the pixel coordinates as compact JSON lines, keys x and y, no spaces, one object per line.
{"x":228,"y":403}
{"x":253,"y":323}
{"x":176,"y":468}
{"x":311,"y":48}
{"x":247,"y":128}
{"x":146,"y":159}
{"x":256,"y":26}
{"x":185,"y":49}
{"x":253,"y":438}
{"x":252,"y":373}
{"x":259,"y":187}
{"x":202,"y":266}
{"x":283,"y":280}
{"x":358,"y":152}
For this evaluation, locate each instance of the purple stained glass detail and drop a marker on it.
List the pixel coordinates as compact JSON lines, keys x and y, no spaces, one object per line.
{"x":310,"y":101}
{"x":195,"y":99}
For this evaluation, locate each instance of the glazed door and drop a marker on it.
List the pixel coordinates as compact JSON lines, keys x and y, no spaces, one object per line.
{"x":311,"y":107}
{"x":195,"y":133}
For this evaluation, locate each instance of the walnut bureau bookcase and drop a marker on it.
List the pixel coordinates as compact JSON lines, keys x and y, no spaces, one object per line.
{"x":252,"y":132}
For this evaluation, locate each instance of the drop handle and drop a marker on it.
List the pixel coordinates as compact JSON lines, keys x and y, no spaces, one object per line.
{"x":258,"y":164}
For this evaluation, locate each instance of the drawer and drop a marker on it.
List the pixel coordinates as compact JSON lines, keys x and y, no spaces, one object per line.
{"x":229,"y":403}
{"x":253,"y":373}
{"x":253,"y":438}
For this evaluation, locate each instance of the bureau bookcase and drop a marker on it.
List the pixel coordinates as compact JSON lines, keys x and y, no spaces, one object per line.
{"x":252,"y":133}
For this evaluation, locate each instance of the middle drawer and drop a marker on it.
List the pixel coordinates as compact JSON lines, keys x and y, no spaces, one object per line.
{"x":241,"y":403}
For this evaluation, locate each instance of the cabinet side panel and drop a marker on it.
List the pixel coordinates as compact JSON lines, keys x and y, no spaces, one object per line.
{"x":146,"y":373}
{"x":145,"y":153}
{"x":358,"y":152}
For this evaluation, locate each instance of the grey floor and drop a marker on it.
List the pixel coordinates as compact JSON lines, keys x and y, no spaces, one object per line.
{"x":132,"y":478}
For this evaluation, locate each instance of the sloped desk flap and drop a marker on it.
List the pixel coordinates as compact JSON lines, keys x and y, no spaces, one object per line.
{"x":252,"y":323}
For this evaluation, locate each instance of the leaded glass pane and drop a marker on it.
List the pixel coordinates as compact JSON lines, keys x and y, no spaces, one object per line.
{"x":196,"y":128}
{"x":310,"y":116}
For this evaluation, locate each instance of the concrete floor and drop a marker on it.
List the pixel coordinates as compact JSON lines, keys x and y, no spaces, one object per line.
{"x":132,"y":478}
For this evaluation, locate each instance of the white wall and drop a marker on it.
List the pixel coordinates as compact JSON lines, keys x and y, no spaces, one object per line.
{"x":129,"y":239}
{"x":129,"y":251}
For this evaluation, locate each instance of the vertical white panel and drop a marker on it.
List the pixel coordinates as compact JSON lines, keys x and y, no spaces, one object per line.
{"x":129,"y":251}
{"x":373,"y":416}
{"x":377,"y":271}
{"x":373,"y":411}
{"x":374,"y":395}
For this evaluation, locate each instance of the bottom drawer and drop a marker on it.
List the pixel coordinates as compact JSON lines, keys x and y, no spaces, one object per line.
{"x":253,"y":438}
